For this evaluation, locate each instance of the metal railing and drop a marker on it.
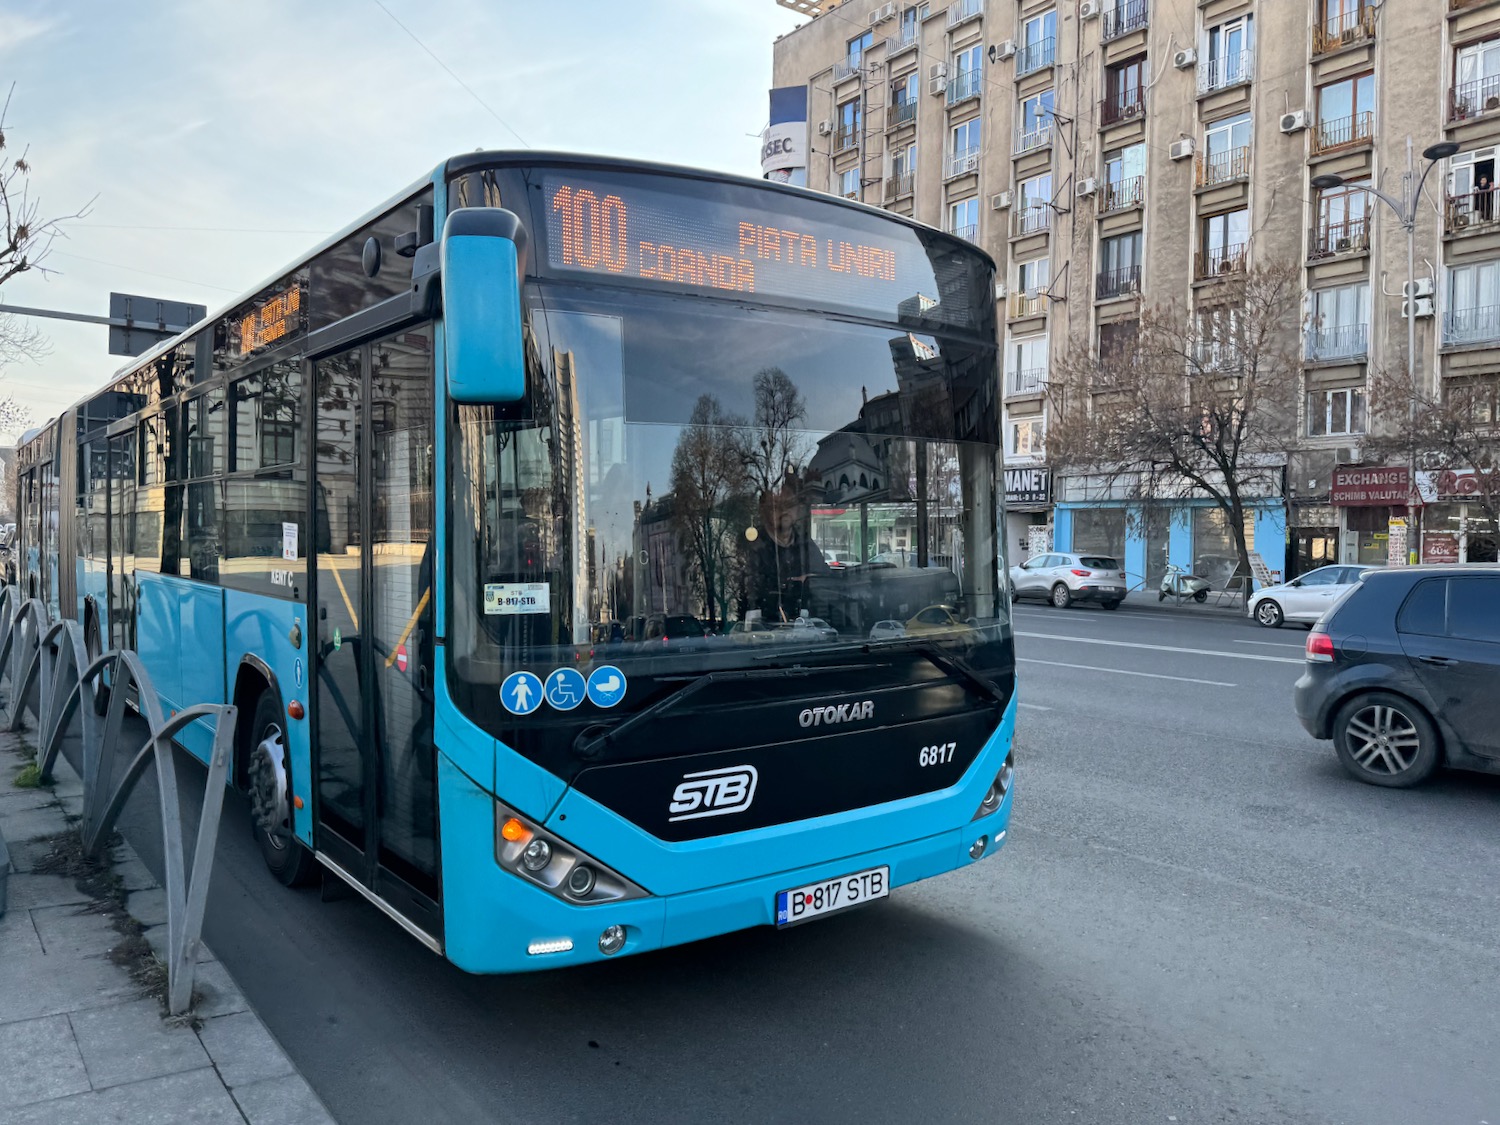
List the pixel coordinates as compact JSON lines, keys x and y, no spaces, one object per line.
{"x":1472,"y":326}
{"x":845,"y":139}
{"x":1030,"y":220}
{"x":1032,"y":57}
{"x":1225,"y":71}
{"x":966,"y":160}
{"x":906,"y":37}
{"x":1029,"y":381}
{"x":964,"y":10}
{"x":1344,"y":30}
{"x":898,"y":184}
{"x":1123,"y":105}
{"x":900,"y":113}
{"x":845,"y":68}
{"x":969,"y":232}
{"x":1222,"y":260}
{"x":1338,"y":341}
{"x":1032,"y":303}
{"x":1471,"y":209}
{"x":1109,"y":284}
{"x":1029,"y":140}
{"x":1343,"y":131}
{"x":1223,"y":167}
{"x":964,"y":85}
{"x":1125,"y":17}
{"x":1471,"y":99}
{"x":1122,"y":194}
{"x":1329,"y":239}
{"x":51,"y":675}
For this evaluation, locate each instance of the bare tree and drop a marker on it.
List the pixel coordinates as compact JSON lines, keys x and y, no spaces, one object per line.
{"x":708,"y":479}
{"x":776,"y":447}
{"x":1201,"y":402}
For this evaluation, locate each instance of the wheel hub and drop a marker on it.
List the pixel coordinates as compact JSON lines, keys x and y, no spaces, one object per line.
{"x":268,"y":789}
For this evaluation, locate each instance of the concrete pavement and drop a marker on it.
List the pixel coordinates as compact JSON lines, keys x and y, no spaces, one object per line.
{"x":82,"y":1032}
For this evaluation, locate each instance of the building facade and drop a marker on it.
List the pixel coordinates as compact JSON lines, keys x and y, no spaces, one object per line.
{"x":1110,"y":153}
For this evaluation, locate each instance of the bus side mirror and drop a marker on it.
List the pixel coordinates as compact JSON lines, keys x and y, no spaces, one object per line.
{"x":483,"y":257}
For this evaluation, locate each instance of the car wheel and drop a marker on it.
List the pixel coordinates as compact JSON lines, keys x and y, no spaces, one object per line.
{"x":1111,"y":604}
{"x":1384,"y":739}
{"x":1269,"y":614}
{"x":1062,"y":597}
{"x":270,"y":777}
{"x":1201,"y":596}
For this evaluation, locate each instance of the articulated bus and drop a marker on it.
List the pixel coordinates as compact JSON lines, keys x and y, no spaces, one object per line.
{"x":601,"y":556}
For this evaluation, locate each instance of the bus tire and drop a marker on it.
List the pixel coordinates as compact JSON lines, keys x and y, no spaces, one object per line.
{"x":269,"y":775}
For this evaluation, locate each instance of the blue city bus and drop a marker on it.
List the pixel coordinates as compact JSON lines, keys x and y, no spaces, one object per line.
{"x":600,"y":555}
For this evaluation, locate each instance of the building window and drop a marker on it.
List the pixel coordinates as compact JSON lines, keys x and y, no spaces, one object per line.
{"x":1026,"y":371}
{"x":911,"y":20}
{"x":1027,"y":437}
{"x":963,"y":218}
{"x":1343,"y":23}
{"x":1124,"y":178}
{"x":1471,"y":191}
{"x":1119,"y":266}
{"x":1473,"y":314}
{"x":1346,"y":113}
{"x":1217,"y":347}
{"x":1034,"y":207}
{"x":1032,"y":280}
{"x":966,"y":75}
{"x":1038,"y":46}
{"x":849,"y":183}
{"x":1124,"y":92}
{"x":1226,"y":151}
{"x":1342,"y":225}
{"x":1336,"y":413}
{"x":1475,"y":400}
{"x":904,"y":100}
{"x":1338,"y":323}
{"x":1476,"y":80}
{"x":857,"y":48}
{"x":1121,"y":17}
{"x":963,"y":151}
{"x":1224,"y":242}
{"x":903,"y":170}
{"x":1117,"y":340}
{"x":1229,"y":57}
{"x":849,"y":119}
{"x":1035,"y":128}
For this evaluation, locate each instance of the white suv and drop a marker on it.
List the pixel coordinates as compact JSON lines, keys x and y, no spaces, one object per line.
{"x":1065,"y":579}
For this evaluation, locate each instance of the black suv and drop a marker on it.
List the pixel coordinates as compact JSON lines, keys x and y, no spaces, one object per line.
{"x":1403,"y":673}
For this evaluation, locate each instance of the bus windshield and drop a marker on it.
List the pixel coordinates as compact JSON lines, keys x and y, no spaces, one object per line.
{"x":696,"y":486}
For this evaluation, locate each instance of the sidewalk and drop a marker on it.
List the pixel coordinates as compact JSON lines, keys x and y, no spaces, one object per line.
{"x":82,"y":1033}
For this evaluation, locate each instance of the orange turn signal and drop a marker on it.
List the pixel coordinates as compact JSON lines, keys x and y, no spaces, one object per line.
{"x":296,"y":800}
{"x":294,"y":709}
{"x":514,"y":831}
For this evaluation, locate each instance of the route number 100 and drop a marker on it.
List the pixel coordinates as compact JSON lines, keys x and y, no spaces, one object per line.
{"x":593,"y":230}
{"x":937,"y":755}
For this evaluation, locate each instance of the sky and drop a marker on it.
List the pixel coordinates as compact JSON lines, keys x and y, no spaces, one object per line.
{"x":212,"y":142}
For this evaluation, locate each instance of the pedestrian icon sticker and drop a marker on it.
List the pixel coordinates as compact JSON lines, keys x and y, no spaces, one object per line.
{"x":521,"y":693}
{"x":565,"y":688}
{"x":297,"y":673}
{"x":606,"y":686}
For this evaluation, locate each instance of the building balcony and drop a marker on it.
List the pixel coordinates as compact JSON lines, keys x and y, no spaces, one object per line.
{"x":1032,"y":302}
{"x":1032,"y":57}
{"x":1345,"y":29}
{"x":968,"y":233}
{"x":845,"y":68}
{"x":962,"y":87}
{"x":960,"y":162}
{"x":1223,"y":167}
{"x":1328,"y":240}
{"x":1121,"y":195}
{"x":1222,"y":73}
{"x":1472,"y":210}
{"x":962,"y":11}
{"x":1123,"y":105}
{"x":1221,"y":260}
{"x":1126,"y":16}
{"x":1031,"y":381}
{"x":898,"y":185}
{"x":1474,"y":99}
{"x":1342,"y":132}
{"x":1122,"y":282}
{"x":845,"y":139}
{"x":903,"y":40}
{"x":1337,"y":342}
{"x":1460,"y":5}
{"x":1031,"y":220}
{"x":1471,"y":326}
{"x":1038,"y":136}
{"x":901,"y":113}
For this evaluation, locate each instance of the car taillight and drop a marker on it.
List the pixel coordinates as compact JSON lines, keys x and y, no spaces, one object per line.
{"x":1319,"y":648}
{"x":1082,"y":573}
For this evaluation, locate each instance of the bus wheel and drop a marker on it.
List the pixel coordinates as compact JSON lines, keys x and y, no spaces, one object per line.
{"x":270,"y":797}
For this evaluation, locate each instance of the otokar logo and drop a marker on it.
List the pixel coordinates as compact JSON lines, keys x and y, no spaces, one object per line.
{"x":843,"y":713}
{"x":713,"y":793}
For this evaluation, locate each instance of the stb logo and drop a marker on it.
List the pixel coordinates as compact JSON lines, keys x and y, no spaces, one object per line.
{"x":713,"y":793}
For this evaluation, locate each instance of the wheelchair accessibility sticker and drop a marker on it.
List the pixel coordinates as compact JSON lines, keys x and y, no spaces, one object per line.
{"x":565,"y":688}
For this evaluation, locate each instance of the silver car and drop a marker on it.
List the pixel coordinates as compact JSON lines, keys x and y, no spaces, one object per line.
{"x":1304,"y":598}
{"x":1065,"y":579}
{"x":887,"y":631}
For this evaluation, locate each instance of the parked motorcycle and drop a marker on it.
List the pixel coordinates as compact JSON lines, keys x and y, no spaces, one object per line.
{"x":1179,"y":584}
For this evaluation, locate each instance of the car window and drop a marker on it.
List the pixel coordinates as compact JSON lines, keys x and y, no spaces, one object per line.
{"x":1100,"y":562}
{"x":931,"y":617}
{"x":1474,"y":608}
{"x":1424,"y":609}
{"x":1323,"y":576}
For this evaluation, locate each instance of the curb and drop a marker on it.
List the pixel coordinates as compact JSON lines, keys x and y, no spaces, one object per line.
{"x":4,"y":873}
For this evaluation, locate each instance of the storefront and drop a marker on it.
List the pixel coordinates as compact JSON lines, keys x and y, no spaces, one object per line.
{"x":1028,"y":512}
{"x":1455,"y":525}
{"x":1372,"y":507}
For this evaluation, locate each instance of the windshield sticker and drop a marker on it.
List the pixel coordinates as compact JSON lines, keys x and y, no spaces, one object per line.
{"x":565,"y":688}
{"x":606,"y":686}
{"x":289,"y":542}
{"x":521,"y":693}
{"x":517,"y":597}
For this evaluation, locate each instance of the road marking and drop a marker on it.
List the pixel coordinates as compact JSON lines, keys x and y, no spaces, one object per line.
{"x":1163,"y":648}
{"x":1033,"y":707}
{"x":1122,"y":672}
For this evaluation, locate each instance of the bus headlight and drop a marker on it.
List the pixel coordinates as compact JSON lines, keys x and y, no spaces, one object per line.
{"x":997,"y":790}
{"x":528,"y":850}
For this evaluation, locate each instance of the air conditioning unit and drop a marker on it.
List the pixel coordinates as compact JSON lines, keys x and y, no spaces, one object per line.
{"x":1185,"y":58}
{"x":1424,"y":307}
{"x":1032,"y":293}
{"x":937,"y":80}
{"x":1087,"y":187}
{"x":1294,"y":122}
{"x":825,"y":128}
{"x":1181,"y":150}
{"x":1000,"y":290}
{"x":1000,"y":201}
{"x":1088,"y":9}
{"x":1006,"y":50}
{"x":1422,"y":287}
{"x":1348,"y":455}
{"x":1459,"y":220}
{"x":880,"y":15}
{"x":1343,"y":245}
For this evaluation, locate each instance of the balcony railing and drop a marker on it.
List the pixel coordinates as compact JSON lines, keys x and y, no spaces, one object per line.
{"x":960,"y":162}
{"x":1472,"y":209}
{"x":1038,"y":136}
{"x":1226,"y":71}
{"x":964,"y":85}
{"x":1341,"y":132}
{"x":845,"y":68}
{"x":1032,"y":57}
{"x":1032,"y":303}
{"x":1221,"y":260}
{"x":969,"y":233}
{"x":1123,"y":105}
{"x":845,"y":139}
{"x":898,"y":185}
{"x":1471,"y":99}
{"x":1344,"y":30}
{"x":1123,"y":18}
{"x":1330,"y":239}
{"x":1030,"y":220}
{"x":1472,"y":326}
{"x":963,"y":11}
{"x":905,"y":38}
{"x":901,"y":113}
{"x":1030,"y":381}
{"x":1223,"y":167}
{"x":1109,"y":284}
{"x":1119,"y":195}
{"x":1338,"y":341}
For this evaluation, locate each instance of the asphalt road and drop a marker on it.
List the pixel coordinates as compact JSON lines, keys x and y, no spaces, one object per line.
{"x":1197,"y":918}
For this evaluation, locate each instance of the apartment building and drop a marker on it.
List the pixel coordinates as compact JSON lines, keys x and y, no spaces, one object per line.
{"x":1113,"y":152}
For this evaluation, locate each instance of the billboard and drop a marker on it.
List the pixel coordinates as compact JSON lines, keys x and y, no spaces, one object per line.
{"x":783,"y":150}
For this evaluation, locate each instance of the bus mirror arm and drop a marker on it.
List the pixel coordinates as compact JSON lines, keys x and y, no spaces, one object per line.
{"x":426,"y":277}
